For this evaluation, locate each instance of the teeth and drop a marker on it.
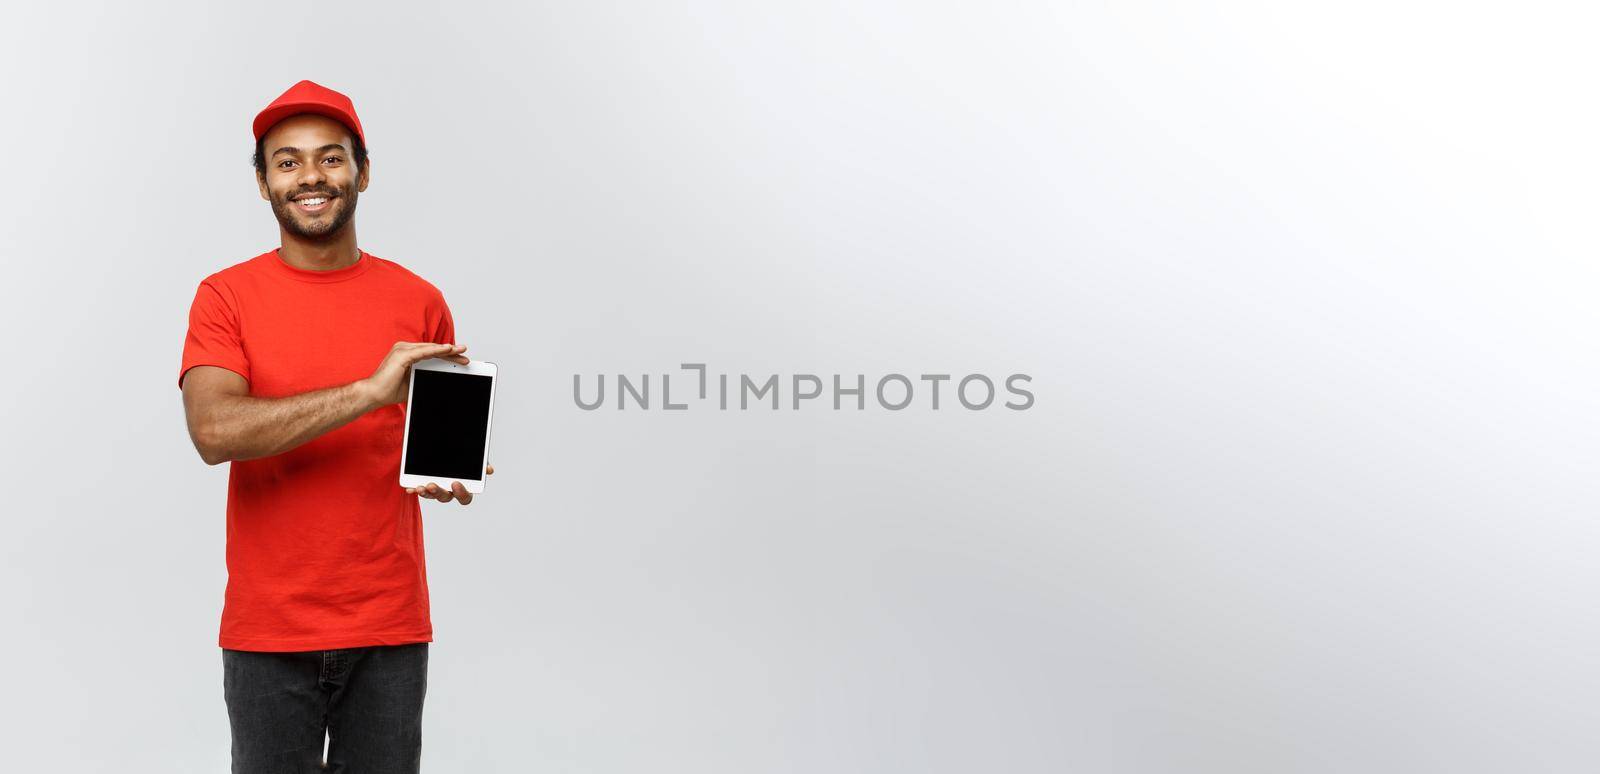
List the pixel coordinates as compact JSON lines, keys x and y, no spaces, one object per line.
{"x":313,"y":201}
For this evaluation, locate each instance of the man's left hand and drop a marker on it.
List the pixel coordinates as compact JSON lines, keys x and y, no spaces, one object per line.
{"x":456,"y":491}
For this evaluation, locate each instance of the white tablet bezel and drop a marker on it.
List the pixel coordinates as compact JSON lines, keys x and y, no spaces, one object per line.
{"x":478,"y":367}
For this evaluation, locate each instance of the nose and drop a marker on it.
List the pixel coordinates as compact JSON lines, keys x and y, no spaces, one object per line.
{"x":311,"y":174}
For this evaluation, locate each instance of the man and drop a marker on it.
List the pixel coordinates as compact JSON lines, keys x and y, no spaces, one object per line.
{"x":295,"y":371}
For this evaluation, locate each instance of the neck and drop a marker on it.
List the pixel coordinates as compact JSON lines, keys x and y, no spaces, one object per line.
{"x":335,"y":251}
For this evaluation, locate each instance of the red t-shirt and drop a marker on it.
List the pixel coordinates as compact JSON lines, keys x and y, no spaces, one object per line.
{"x":324,"y":545}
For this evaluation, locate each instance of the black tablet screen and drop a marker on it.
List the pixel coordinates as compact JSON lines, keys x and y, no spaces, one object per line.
{"x":449,"y":425}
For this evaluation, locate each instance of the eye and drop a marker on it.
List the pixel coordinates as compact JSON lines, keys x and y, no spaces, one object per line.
{"x":334,"y":160}
{"x":285,"y":164}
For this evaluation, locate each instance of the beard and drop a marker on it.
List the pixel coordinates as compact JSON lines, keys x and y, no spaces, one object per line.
{"x":322,"y":226}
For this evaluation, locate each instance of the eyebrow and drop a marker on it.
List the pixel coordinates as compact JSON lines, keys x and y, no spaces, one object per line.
{"x":292,"y":149}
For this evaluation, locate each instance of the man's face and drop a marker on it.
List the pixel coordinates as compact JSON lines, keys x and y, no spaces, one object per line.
{"x":311,"y":178}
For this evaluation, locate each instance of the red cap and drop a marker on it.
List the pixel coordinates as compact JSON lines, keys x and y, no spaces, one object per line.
{"x":308,"y":97}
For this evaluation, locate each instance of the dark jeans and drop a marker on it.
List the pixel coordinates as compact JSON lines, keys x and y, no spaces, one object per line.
{"x":368,"y":700}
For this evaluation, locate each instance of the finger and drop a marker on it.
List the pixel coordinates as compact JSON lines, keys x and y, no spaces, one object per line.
{"x":424,"y":351}
{"x":489,"y":470}
{"x":426,"y":344}
{"x":436,"y":493}
{"x":433,"y":346}
{"x":462,"y":495}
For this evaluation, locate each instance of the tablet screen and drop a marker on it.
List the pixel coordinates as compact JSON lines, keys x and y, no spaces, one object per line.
{"x":449,"y":424}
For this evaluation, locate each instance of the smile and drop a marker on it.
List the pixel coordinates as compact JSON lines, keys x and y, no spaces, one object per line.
{"x":313,"y":203}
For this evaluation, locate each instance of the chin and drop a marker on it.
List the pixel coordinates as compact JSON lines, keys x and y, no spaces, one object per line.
{"x":316,"y":228}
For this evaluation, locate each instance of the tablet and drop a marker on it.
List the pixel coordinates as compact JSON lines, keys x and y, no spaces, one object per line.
{"x":448,"y":413}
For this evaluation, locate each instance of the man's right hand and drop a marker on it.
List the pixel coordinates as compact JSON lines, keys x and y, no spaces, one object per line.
{"x":390,"y":383}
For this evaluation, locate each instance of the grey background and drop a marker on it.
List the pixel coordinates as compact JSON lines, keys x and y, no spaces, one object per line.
{"x":1306,"y":291}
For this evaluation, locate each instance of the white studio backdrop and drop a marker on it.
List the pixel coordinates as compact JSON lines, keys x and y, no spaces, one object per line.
{"x":1305,"y":290}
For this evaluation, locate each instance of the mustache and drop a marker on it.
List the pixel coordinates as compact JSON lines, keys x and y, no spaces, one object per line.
{"x":329,"y":192}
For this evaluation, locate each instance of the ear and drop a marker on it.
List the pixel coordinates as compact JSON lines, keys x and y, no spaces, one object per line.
{"x":364,"y":177}
{"x":261,"y":184}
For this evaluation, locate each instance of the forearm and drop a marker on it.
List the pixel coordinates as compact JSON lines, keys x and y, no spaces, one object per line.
{"x":238,"y":427}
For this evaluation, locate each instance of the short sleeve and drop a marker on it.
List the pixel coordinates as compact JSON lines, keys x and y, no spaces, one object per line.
{"x":444,"y":326}
{"x":214,"y":336}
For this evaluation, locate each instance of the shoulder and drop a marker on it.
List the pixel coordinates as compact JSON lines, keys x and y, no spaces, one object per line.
{"x":229,"y":282}
{"x":249,"y":267}
{"x":394,"y":272}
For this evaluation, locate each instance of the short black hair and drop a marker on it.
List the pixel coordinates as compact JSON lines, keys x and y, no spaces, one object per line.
{"x":358,"y":149}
